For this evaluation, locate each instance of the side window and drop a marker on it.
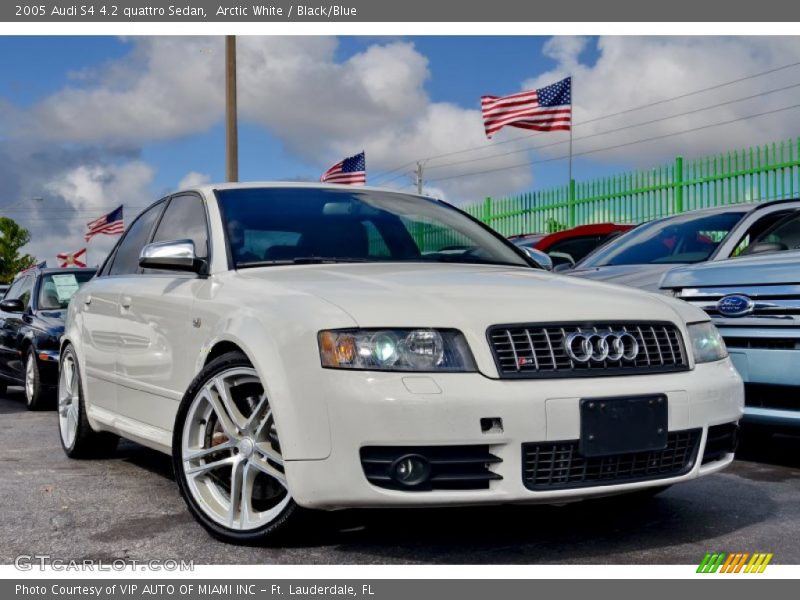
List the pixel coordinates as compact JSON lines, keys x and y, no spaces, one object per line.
{"x":15,"y":289}
{"x":756,"y":229}
{"x":26,"y":290}
{"x":577,"y":247}
{"x":126,"y":258}
{"x":185,"y":218}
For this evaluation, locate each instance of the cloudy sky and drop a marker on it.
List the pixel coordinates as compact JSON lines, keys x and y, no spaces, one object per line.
{"x":89,"y":123}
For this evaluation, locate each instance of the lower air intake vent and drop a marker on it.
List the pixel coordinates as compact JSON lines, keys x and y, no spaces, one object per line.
{"x":559,"y":465}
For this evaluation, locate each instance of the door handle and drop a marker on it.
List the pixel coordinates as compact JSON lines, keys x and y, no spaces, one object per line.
{"x":126,"y":303}
{"x":87,"y":301}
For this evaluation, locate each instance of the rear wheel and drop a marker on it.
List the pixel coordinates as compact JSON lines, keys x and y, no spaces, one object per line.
{"x":78,"y":438}
{"x":227,"y":456}
{"x":37,"y":397}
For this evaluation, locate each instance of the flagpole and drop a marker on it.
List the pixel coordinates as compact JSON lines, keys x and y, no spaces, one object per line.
{"x":571,"y":126}
{"x":570,"y":188}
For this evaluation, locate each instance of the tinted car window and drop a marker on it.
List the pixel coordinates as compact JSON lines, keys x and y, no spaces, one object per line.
{"x":279,"y":225}
{"x":126,"y":258}
{"x":577,"y":247}
{"x":15,"y":289}
{"x":686,"y":238}
{"x":185,"y":218}
{"x":56,"y":289}
{"x":785,"y":234}
{"x":26,"y":290}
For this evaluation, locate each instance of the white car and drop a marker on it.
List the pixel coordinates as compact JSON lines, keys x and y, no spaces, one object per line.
{"x":302,"y":346}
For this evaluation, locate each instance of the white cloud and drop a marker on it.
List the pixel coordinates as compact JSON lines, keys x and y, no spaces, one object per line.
{"x":319,"y":107}
{"x":635,"y":71}
{"x":57,"y":191}
{"x":193,"y":179}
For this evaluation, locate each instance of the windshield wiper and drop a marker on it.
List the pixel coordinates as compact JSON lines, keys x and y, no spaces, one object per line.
{"x":469,"y":260}
{"x":300,"y":260}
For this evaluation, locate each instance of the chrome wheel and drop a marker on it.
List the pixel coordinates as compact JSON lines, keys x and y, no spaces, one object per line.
{"x":68,"y":400}
{"x":230,"y":453}
{"x":30,"y":379}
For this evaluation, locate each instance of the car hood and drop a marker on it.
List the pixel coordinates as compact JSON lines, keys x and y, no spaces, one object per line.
{"x":644,"y":277}
{"x":761,"y":269}
{"x":467,"y":296}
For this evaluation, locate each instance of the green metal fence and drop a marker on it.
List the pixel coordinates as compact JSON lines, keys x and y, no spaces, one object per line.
{"x":754,"y":174}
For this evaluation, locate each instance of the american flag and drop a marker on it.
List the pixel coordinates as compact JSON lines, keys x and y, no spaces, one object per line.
{"x":546,"y":109}
{"x":110,"y":224}
{"x":350,"y":171}
{"x":72,"y":259}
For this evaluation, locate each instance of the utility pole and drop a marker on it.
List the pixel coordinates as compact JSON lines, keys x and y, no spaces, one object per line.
{"x":418,"y":177}
{"x":231,"y":131}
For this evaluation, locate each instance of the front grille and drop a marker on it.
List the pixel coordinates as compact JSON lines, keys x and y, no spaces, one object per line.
{"x":781,"y":397}
{"x":763,"y":343}
{"x":530,"y":351}
{"x":773,"y":305}
{"x":559,"y":465}
{"x":452,"y":467}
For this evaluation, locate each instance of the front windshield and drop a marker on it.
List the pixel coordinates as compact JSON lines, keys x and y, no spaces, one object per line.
{"x":57,"y":288}
{"x":687,"y":238}
{"x":270,"y":226}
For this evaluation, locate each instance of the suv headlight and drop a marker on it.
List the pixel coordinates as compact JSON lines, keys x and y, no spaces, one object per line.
{"x":707,"y":343}
{"x":422,"y":350}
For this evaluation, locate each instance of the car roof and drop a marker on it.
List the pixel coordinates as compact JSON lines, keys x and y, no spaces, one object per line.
{"x":210,"y":188}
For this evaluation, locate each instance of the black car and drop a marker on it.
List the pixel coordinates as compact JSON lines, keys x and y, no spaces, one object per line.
{"x":31,"y":323}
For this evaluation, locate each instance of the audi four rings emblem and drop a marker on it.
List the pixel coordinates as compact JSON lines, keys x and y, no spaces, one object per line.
{"x":598,"y":346}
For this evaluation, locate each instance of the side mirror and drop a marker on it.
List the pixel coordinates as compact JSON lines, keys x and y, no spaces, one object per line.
{"x":12,"y":306}
{"x":173,"y":255}
{"x":542,"y":260}
{"x":561,"y":267}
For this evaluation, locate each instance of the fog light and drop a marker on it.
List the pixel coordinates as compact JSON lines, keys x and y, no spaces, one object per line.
{"x":411,"y":470}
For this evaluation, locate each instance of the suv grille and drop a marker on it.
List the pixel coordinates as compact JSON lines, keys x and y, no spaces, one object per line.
{"x":558,"y":465}
{"x":530,"y":351}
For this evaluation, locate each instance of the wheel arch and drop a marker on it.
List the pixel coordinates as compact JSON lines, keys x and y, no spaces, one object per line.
{"x":302,"y":418}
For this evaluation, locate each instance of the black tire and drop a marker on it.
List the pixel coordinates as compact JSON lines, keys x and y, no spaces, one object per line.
{"x":3,"y":388}
{"x":87,"y":443}
{"x":37,"y":396}
{"x":284,"y":528}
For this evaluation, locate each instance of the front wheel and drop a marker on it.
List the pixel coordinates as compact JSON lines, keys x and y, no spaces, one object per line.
{"x":36,"y":396}
{"x":78,"y":438}
{"x":227,"y":456}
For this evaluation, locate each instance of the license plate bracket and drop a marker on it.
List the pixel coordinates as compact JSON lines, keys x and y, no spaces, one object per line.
{"x":623,"y":425}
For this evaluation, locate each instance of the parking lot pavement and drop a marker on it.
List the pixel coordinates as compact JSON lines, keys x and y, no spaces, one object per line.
{"x":128,"y":507}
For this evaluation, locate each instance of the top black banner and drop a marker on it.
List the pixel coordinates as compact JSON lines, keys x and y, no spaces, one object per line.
{"x":458,"y":11}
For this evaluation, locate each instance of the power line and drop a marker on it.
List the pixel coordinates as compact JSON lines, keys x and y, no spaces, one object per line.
{"x":617,"y":129}
{"x":621,"y":145}
{"x":599,"y":118}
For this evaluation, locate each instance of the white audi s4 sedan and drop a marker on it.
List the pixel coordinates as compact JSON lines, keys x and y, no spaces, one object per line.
{"x":302,"y":346}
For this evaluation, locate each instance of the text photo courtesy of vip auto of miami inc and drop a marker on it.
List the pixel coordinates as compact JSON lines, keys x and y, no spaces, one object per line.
{"x":340,"y":300}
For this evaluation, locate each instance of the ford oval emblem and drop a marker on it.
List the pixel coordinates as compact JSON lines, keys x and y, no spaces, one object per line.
{"x":735,"y":305}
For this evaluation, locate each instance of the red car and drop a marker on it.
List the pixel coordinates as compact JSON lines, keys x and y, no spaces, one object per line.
{"x":569,"y":246}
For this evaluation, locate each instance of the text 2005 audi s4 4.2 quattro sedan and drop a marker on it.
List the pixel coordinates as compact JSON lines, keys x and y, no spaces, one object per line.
{"x":301,"y":346}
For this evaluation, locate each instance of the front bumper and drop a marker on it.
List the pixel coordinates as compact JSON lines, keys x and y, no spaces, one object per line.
{"x":766,"y":369}
{"x":392,"y":409}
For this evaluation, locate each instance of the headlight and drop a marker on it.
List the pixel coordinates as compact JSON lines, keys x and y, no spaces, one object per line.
{"x":422,"y":350}
{"x":707,"y":343}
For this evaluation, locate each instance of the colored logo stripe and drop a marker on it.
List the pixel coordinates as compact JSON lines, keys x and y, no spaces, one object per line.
{"x":734,"y":563}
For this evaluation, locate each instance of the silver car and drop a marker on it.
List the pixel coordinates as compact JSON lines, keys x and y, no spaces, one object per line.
{"x":642,"y":256}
